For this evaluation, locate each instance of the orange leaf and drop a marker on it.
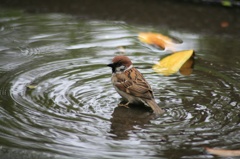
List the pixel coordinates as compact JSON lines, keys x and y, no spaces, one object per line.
{"x":223,"y":152}
{"x":156,"y":39}
{"x":224,"y":24}
{"x":175,"y":62}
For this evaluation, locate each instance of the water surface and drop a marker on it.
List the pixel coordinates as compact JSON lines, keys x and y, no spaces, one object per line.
{"x":71,"y":112}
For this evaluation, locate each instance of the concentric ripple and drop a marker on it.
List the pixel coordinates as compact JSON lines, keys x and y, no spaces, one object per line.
{"x":60,"y":103}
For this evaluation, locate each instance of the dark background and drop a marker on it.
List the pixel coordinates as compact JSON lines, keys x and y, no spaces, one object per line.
{"x":208,"y":17}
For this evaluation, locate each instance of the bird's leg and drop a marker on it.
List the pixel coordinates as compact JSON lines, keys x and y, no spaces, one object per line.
{"x":124,"y":105}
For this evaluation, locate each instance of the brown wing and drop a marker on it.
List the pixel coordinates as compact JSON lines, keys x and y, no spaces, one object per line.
{"x":133,"y":83}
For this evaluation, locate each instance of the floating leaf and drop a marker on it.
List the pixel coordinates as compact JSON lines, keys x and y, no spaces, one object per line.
{"x":173,"y":63}
{"x":224,"y":24}
{"x":31,"y":86}
{"x":223,"y":152}
{"x":226,"y":3}
{"x":156,"y":39}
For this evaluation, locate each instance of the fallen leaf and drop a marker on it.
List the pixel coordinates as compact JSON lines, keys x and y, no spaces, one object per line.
{"x":223,"y":152}
{"x":175,"y":62}
{"x":224,"y":24}
{"x":156,"y":39}
{"x":226,"y":3}
{"x":31,"y":86}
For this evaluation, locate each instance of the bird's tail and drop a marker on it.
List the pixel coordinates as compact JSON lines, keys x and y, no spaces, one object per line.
{"x":156,"y":109}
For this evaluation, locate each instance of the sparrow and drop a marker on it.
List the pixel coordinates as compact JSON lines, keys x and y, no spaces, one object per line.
{"x":131,"y":84}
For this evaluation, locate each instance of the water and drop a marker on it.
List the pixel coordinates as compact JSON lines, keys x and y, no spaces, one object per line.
{"x":57,"y":100}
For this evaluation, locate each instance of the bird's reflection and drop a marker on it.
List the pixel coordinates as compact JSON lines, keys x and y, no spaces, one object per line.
{"x":125,"y":119}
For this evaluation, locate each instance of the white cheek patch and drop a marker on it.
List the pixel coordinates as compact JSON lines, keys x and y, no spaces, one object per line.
{"x":120,"y":69}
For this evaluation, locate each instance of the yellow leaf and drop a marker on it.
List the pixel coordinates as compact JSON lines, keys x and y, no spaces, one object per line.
{"x":156,"y":39}
{"x":31,"y":86}
{"x":175,"y":62}
{"x":223,"y":152}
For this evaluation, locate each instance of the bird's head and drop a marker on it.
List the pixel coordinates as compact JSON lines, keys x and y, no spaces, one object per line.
{"x":120,"y":63}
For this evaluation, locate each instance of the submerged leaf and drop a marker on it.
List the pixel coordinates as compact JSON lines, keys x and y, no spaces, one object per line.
{"x":156,"y":39}
{"x":177,"y":61}
{"x":223,"y":152}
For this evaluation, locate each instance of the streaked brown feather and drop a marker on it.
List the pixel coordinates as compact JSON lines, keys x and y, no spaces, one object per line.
{"x":133,"y":83}
{"x":156,"y":109}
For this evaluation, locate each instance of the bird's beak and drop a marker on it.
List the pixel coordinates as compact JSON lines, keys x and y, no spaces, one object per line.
{"x":110,"y":65}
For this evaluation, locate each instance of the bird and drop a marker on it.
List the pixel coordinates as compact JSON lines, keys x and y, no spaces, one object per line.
{"x":131,"y":85}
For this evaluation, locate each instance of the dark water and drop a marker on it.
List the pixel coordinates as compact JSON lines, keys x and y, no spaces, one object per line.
{"x":72,"y":110}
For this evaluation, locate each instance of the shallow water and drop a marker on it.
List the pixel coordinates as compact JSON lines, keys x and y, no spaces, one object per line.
{"x":71,"y":112}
